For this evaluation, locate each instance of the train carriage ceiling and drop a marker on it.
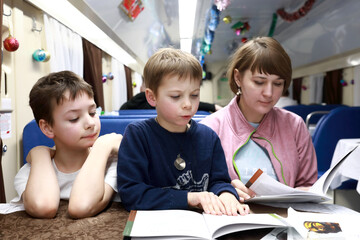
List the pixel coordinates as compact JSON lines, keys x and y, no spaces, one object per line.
{"x":327,"y":27}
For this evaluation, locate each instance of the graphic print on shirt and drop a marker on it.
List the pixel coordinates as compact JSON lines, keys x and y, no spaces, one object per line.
{"x":186,"y":182}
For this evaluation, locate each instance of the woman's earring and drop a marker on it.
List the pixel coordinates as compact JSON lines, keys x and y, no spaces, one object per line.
{"x":239,"y":91}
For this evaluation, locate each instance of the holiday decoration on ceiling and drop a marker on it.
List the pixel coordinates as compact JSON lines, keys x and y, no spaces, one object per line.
{"x":222,"y":4}
{"x":227,"y":19}
{"x":290,"y":17}
{"x":273,"y":25}
{"x":11,"y":44}
{"x":132,"y":8}
{"x":241,"y":27}
{"x":213,"y":18}
{"x":212,"y":21}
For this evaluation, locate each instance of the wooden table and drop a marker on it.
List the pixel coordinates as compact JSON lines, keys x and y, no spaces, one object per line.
{"x":107,"y":225}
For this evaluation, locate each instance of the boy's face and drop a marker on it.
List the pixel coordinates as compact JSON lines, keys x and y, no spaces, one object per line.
{"x":176,"y":102}
{"x":76,"y":124}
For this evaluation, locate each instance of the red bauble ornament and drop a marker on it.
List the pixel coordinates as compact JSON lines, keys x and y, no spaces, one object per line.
{"x":11,"y":44}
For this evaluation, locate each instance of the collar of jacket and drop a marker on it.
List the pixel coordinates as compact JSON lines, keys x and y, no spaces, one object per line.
{"x":265,"y":129}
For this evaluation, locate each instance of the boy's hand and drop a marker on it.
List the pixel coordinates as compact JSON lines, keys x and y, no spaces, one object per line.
{"x":232,"y":205}
{"x":111,"y":140}
{"x":208,"y":201}
{"x":40,"y":152}
{"x":243,"y":192}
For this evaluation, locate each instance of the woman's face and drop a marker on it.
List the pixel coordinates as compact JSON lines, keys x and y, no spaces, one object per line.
{"x":260,"y":92}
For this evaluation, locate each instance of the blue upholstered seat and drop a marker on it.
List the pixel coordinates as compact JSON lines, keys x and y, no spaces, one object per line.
{"x":340,"y":123}
{"x":32,"y":135}
{"x":304,"y":110}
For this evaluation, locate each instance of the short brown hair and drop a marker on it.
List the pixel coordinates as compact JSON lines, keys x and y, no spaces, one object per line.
{"x":262,"y":54}
{"x":50,"y":89}
{"x":170,"y":61}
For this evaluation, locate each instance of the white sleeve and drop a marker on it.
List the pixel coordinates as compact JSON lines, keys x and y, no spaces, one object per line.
{"x":111,"y":176}
{"x":20,"y":182}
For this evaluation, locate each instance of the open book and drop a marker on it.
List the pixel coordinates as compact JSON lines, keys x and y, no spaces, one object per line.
{"x":268,"y":189}
{"x":187,"y":224}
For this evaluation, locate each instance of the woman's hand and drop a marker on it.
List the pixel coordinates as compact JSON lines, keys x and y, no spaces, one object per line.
{"x":243,"y":192}
{"x":303,"y":188}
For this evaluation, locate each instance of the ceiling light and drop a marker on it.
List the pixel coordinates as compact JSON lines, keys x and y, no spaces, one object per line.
{"x":186,"y":44}
{"x":187,"y":10}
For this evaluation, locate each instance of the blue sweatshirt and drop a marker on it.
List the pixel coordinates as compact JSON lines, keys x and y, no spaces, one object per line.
{"x":147,"y":177}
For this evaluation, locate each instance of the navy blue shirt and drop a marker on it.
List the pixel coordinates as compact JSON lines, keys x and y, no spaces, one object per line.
{"x":147,"y":177}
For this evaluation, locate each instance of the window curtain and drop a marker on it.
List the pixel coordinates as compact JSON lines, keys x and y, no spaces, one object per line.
{"x":65,"y":47}
{"x":93,"y":71}
{"x":332,"y":91}
{"x":119,"y":90}
{"x":316,"y":88}
{"x":297,"y":82}
{"x":356,"y":86}
{"x":138,"y":81}
{"x":128,"y":82}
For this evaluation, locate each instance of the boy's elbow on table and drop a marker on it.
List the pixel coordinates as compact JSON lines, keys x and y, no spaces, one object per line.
{"x":41,"y":209}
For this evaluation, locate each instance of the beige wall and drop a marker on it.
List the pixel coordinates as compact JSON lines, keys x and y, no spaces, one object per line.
{"x":348,"y":91}
{"x":23,"y":72}
{"x":107,"y":86}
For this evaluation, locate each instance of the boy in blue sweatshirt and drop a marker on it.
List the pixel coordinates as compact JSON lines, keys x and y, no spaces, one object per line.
{"x":171,"y":162}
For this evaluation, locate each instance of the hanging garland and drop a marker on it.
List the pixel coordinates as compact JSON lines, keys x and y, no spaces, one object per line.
{"x":273,"y":25}
{"x":290,"y":17}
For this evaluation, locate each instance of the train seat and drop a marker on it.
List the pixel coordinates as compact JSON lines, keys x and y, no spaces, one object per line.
{"x":340,"y":123}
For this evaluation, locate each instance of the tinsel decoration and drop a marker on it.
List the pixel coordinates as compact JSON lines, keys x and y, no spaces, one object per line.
{"x":222,"y":4}
{"x":290,"y":17}
{"x":273,"y":25}
{"x":241,"y":27}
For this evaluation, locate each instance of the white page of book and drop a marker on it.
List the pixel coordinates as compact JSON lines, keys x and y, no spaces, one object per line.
{"x":269,"y":189}
{"x":221,"y":225}
{"x":349,"y":225}
{"x":323,"y":183}
{"x":169,"y":223}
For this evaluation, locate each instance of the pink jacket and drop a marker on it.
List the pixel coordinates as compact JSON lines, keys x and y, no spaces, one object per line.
{"x":282,"y":133}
